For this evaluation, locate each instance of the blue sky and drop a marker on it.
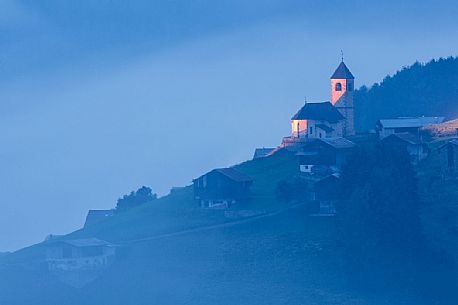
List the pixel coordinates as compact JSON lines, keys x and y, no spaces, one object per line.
{"x":99,"y":97}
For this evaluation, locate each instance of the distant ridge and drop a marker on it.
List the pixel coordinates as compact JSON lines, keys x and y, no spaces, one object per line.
{"x":429,"y":89}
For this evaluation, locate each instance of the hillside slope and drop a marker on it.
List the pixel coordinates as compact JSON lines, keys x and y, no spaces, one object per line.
{"x":286,"y":258}
{"x":420,"y":89}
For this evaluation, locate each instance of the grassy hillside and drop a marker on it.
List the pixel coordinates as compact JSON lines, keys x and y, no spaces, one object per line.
{"x":286,"y":258}
{"x":178,"y":211}
{"x":289,"y":258}
{"x":421,"y":89}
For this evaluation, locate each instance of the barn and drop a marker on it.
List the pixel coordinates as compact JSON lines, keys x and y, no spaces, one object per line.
{"x":222,"y":187}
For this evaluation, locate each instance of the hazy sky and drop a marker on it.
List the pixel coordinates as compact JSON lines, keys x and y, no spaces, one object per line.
{"x":99,"y":97}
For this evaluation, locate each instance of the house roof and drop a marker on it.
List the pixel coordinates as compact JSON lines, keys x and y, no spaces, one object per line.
{"x":324,"y":111}
{"x":414,"y":122}
{"x":342,"y":72}
{"x":406,"y":137}
{"x":231,"y":173}
{"x":324,"y":127}
{"x":338,"y":143}
{"x":262,"y":152}
{"x":80,"y":243}
{"x":234,"y":174}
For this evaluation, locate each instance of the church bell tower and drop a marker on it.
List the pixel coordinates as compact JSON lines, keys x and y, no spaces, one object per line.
{"x":342,"y":91}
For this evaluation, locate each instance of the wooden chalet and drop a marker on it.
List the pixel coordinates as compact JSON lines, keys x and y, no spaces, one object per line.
{"x":222,"y":187}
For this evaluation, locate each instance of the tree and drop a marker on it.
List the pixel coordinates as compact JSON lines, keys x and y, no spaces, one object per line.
{"x":137,"y":198}
{"x":378,"y":212}
{"x":381,"y":230}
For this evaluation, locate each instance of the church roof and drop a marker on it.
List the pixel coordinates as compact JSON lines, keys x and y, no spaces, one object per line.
{"x":319,"y":111}
{"x":342,"y":72}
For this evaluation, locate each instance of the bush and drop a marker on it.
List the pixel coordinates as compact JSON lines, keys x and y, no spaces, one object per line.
{"x":137,"y":198}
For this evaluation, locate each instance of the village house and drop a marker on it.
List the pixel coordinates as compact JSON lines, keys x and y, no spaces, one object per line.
{"x":417,"y":149}
{"x":79,"y":254}
{"x":413,"y":125}
{"x":222,"y":187}
{"x":324,"y":155}
{"x":96,"y":216}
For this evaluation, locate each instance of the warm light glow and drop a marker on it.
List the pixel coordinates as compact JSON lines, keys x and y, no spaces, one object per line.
{"x":336,"y":95}
{"x":298,"y":127}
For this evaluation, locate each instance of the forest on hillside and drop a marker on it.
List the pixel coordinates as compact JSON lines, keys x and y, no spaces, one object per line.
{"x":428,"y":89}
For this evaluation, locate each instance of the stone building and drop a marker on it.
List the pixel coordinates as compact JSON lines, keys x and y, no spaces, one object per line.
{"x":342,"y":94}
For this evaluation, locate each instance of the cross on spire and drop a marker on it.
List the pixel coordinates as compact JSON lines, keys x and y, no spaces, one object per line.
{"x":342,"y":55}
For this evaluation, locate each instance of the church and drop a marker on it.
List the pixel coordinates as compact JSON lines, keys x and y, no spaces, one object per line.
{"x":321,"y":132}
{"x":330,"y":119}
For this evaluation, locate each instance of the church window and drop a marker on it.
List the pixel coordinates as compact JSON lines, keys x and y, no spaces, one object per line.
{"x":350,"y":87}
{"x":338,"y":87}
{"x":311,"y":129}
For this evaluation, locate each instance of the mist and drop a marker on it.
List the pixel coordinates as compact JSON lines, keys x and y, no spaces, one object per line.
{"x":92,"y":111}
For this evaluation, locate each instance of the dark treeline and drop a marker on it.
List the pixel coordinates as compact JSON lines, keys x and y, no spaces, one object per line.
{"x":420,"y":89}
{"x":381,"y":230}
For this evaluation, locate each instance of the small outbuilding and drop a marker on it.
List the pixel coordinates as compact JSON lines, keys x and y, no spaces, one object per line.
{"x":417,"y":149}
{"x":79,"y":254}
{"x":222,"y":187}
